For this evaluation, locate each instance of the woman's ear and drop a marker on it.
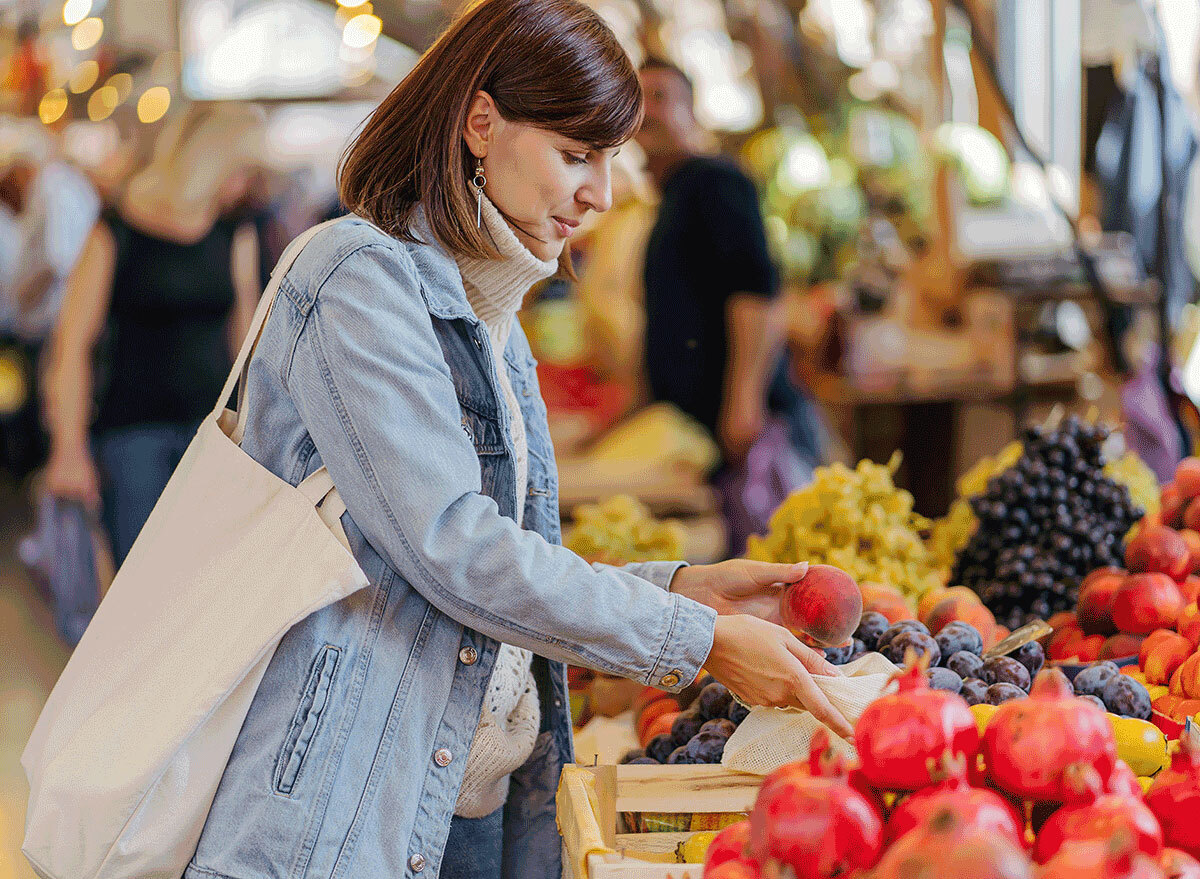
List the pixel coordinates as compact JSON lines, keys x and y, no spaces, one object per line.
{"x":482,"y":116}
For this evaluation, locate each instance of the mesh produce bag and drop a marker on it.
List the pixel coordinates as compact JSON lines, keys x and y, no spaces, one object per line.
{"x":770,"y":737}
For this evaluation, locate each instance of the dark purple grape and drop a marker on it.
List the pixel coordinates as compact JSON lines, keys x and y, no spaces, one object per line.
{"x":871,"y":625}
{"x":974,"y":691}
{"x":737,"y":711}
{"x":895,"y":629}
{"x":919,"y":642}
{"x":630,"y":756}
{"x":714,"y":701}
{"x":839,"y":655}
{"x":1000,"y":693}
{"x":1030,"y":655}
{"x":958,"y":636}
{"x":719,"y":726}
{"x":660,"y":747}
{"x":944,"y":679}
{"x":679,"y":755}
{"x":706,"y":748}
{"x":643,"y":761}
{"x":1125,"y":696}
{"x":858,"y":648}
{"x":1095,"y":700}
{"x":1091,"y":680}
{"x":1004,"y":670}
{"x":685,"y":726}
{"x":964,"y":664}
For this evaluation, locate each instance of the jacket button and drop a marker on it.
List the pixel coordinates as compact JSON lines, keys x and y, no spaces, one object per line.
{"x":442,"y":757}
{"x":468,"y":656}
{"x":417,"y":863}
{"x":478,"y":342}
{"x":670,"y":680}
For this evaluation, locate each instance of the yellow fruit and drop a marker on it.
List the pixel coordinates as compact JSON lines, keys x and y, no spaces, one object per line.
{"x":715,"y":820}
{"x":1155,"y":691}
{"x":693,"y":850}
{"x":1145,"y":782}
{"x":1137,"y":676}
{"x":983,"y":713}
{"x":1140,"y":743}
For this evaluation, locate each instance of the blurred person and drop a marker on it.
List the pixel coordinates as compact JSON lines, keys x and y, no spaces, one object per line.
{"x":715,"y":324}
{"x":168,"y":281}
{"x":393,"y":357}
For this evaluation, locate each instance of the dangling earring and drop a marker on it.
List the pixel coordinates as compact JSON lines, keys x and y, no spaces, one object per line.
{"x":479,"y":181}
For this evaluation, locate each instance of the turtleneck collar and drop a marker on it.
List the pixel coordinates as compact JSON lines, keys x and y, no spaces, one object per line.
{"x":496,"y":287}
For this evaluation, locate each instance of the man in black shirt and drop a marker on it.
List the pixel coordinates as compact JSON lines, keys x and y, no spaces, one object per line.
{"x":714,"y":324}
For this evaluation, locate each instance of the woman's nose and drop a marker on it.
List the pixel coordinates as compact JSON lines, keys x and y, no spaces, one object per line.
{"x":597,"y":194}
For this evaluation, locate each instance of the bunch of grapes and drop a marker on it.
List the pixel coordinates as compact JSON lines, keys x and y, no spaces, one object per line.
{"x":1045,"y":523}
{"x":621,"y":530}
{"x":950,"y":533}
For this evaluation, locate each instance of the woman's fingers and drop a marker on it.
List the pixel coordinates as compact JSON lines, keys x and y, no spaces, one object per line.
{"x":813,"y":660}
{"x":812,"y":698}
{"x":758,"y":577}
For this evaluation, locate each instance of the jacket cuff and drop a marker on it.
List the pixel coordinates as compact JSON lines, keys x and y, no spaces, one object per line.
{"x":688,"y":643}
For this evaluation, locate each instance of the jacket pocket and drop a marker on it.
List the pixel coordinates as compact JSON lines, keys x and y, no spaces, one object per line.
{"x":483,"y":431}
{"x":314,"y":699}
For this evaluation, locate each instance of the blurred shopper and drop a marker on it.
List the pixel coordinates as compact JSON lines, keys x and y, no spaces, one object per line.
{"x":433,"y":719}
{"x":47,"y":208}
{"x":168,"y":280}
{"x":714,"y":321}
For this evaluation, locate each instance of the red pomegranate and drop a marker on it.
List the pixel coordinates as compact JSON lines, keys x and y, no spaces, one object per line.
{"x":1174,"y":798}
{"x":813,"y":821}
{"x":1116,"y":858}
{"x":1178,"y":865}
{"x":1029,"y":742}
{"x":1094,"y":814}
{"x":946,"y":847}
{"x":901,"y":737}
{"x":975,"y":807}
{"x":1119,"y":779}
{"x":738,"y":868}
{"x":728,"y":845}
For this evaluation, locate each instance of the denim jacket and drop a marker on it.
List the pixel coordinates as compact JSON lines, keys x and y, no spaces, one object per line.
{"x":350,"y":759}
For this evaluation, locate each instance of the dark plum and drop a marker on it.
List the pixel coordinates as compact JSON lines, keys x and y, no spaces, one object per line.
{"x":737,"y":711}
{"x":895,"y":629}
{"x":660,"y":747}
{"x":719,"y":726}
{"x":964,"y":664}
{"x":706,"y":748}
{"x":871,"y":625}
{"x":630,"y":756}
{"x":839,"y":655}
{"x":919,"y":642}
{"x":1091,"y":680}
{"x":858,"y":648}
{"x":956,"y":636}
{"x":685,"y":726}
{"x":997,"y":694}
{"x":643,"y":761}
{"x":1032,"y":656}
{"x":974,"y":691}
{"x":679,"y":755}
{"x":944,"y":679}
{"x":1125,"y":696}
{"x":1004,"y":670}
{"x":714,"y":701}
{"x":1095,"y":700}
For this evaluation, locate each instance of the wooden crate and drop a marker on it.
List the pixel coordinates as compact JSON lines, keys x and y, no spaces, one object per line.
{"x":590,"y":803}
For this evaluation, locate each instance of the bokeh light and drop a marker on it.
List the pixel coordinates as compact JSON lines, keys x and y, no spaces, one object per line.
{"x":362,"y":30}
{"x":84,"y":77}
{"x":87,"y":34}
{"x":52,"y":106}
{"x":102,"y":102}
{"x":123,"y":83}
{"x":75,"y":11}
{"x":154,"y":103}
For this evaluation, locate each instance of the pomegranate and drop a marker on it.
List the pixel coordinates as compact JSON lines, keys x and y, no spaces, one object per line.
{"x":1029,"y":742}
{"x":1094,"y":814}
{"x":902,"y":736}
{"x":975,"y":808}
{"x":1178,"y":865}
{"x":1174,"y":798}
{"x":738,"y":868}
{"x":729,"y":845}
{"x":946,"y":847}
{"x":1118,"y":778}
{"x":1116,"y":858}
{"x":813,"y":821}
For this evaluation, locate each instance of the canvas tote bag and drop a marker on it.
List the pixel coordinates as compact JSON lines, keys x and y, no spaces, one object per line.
{"x":126,"y":756}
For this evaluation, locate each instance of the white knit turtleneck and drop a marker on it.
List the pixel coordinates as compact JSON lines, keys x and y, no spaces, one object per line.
{"x":511,"y":714}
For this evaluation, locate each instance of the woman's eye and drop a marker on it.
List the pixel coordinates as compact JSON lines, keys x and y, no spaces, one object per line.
{"x":573,"y":159}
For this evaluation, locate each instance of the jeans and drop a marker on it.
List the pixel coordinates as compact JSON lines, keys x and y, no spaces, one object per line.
{"x":135,"y":464}
{"x":474,"y":848}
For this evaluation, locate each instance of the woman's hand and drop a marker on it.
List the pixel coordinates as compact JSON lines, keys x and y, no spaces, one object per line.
{"x":738,"y":586}
{"x":765,"y":664}
{"x":71,"y":474}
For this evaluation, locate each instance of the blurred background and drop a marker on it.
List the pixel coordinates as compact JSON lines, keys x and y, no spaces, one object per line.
{"x":973,"y":216}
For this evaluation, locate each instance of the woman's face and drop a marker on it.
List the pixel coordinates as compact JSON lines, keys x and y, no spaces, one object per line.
{"x":543,"y":182}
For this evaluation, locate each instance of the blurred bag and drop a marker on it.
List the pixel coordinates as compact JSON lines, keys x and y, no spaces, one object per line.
{"x":128,"y":752}
{"x":67,"y":555}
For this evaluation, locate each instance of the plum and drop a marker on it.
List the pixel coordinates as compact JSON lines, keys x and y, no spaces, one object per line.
{"x":1091,"y":680}
{"x":706,"y":748}
{"x":643,"y":761}
{"x":958,"y":636}
{"x":679,"y":755}
{"x":1032,"y":656}
{"x":714,"y":701}
{"x":1004,"y":670}
{"x":919,"y":642}
{"x":720,"y":726}
{"x":892,"y":631}
{"x":1125,"y":696}
{"x":630,"y":756}
{"x":871,"y":626}
{"x":944,"y":679}
{"x":686,"y":725}
{"x":1002,"y":692}
{"x":858,"y":648}
{"x":660,"y":747}
{"x":974,"y":691}
{"x":1095,"y":700}
{"x":737,"y":712}
{"x":964,"y":664}
{"x":839,"y":655}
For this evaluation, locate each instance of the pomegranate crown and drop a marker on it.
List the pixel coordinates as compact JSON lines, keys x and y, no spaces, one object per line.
{"x":951,"y":767}
{"x":1083,"y":781}
{"x":912,"y":676}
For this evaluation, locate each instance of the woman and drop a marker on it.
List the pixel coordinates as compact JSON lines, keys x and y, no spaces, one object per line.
{"x":419,"y":726}
{"x":171,"y":277}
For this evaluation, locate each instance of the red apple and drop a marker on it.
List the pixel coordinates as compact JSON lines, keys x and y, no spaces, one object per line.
{"x":825,"y":604}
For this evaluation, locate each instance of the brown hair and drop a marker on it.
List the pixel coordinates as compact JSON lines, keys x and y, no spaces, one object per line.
{"x":553,"y":64}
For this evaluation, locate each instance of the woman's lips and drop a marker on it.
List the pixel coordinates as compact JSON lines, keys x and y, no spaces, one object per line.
{"x":566,"y":228}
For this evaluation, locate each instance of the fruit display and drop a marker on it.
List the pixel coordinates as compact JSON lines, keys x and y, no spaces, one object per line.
{"x":621,"y":530}
{"x":858,"y":521}
{"x":1132,"y":472}
{"x":696,"y":734}
{"x":1045,"y":523}
{"x":951,"y":533}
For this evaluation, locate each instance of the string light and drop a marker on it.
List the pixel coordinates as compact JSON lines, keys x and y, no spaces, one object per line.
{"x":102,"y":102}
{"x":84,"y":77}
{"x":75,"y":11}
{"x":123,"y":83}
{"x":362,"y":30}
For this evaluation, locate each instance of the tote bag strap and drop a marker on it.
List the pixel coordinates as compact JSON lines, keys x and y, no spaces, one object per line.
{"x":237,"y":375}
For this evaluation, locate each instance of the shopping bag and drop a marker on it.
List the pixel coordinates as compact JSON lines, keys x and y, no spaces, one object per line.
{"x":127,"y":754}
